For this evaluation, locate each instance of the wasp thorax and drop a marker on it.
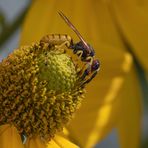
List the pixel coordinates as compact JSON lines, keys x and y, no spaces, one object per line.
{"x":38,"y":90}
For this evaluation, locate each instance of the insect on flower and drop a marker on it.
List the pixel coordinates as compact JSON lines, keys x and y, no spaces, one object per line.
{"x":84,"y":51}
{"x":35,"y":90}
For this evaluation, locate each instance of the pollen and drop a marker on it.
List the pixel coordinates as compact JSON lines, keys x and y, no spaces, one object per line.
{"x":39,"y":91}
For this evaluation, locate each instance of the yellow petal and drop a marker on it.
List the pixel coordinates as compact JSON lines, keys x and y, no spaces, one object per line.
{"x":56,"y":142}
{"x":9,"y":137}
{"x":43,"y":19}
{"x":129,"y":120}
{"x":38,"y":143}
{"x":34,"y":30}
{"x":35,"y":143}
{"x":132,"y":19}
{"x":102,"y":112}
{"x":63,"y":143}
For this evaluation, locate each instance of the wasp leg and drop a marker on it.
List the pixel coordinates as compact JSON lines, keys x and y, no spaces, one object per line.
{"x":79,"y":53}
{"x":89,"y":59}
{"x":86,"y":72}
{"x":88,"y":80}
{"x":66,"y":43}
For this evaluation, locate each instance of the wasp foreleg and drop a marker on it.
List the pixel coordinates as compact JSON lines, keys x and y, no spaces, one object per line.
{"x":79,"y":53}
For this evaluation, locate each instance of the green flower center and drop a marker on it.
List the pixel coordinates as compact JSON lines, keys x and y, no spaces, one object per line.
{"x":59,"y":70}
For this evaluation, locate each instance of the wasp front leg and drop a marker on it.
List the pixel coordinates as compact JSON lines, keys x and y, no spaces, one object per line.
{"x":79,"y":53}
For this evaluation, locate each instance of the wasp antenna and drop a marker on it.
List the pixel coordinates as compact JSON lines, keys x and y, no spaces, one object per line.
{"x":73,"y":28}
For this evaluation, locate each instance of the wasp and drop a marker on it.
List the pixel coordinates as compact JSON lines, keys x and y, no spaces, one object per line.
{"x":84,"y":51}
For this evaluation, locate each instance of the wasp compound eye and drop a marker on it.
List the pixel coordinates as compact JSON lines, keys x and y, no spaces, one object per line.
{"x":95,"y":65}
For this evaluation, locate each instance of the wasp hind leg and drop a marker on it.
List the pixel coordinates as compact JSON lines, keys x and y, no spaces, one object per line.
{"x":60,"y":47}
{"x":89,"y":79}
{"x":65,"y":43}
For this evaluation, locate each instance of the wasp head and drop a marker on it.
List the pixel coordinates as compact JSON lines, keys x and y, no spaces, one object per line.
{"x":87,"y":50}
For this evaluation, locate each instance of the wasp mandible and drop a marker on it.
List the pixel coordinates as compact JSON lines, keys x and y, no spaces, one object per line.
{"x":82,"y":49}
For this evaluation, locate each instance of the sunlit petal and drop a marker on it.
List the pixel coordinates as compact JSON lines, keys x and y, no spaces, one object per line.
{"x":63,"y":143}
{"x":129,"y":120}
{"x":35,"y":143}
{"x":9,"y":137}
{"x":132,"y":19}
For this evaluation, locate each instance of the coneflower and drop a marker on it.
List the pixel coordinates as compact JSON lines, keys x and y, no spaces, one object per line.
{"x":39,"y":90}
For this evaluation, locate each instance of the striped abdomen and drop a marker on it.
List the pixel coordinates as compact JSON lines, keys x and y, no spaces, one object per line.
{"x":56,"y":39}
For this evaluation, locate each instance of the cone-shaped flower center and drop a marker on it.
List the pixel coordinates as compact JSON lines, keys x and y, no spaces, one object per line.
{"x":58,"y":70}
{"x":39,"y":90}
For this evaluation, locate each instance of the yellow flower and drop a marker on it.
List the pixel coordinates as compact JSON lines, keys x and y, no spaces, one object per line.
{"x":9,"y":138}
{"x":41,"y":87}
{"x":113,"y":99}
